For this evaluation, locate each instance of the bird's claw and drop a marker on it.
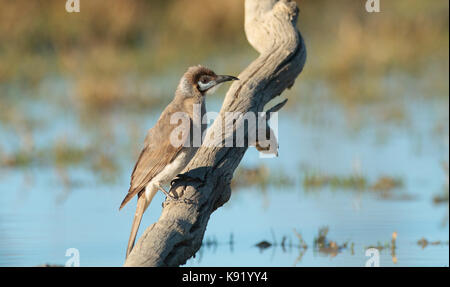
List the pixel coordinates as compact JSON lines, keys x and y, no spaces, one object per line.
{"x":185,"y":177}
{"x":172,"y":197}
{"x":168,"y":195}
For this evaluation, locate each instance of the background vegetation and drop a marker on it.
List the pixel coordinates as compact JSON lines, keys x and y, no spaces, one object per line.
{"x":78,"y":92}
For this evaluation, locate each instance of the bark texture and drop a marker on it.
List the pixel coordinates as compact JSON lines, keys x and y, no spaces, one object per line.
{"x":270,"y":27}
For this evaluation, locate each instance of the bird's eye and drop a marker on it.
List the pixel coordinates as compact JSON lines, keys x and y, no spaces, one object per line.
{"x":205,"y":83}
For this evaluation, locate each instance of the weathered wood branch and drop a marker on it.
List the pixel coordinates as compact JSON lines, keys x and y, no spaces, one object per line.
{"x":270,"y":27}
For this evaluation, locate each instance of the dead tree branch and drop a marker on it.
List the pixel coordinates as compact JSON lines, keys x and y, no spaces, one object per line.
{"x":270,"y":26}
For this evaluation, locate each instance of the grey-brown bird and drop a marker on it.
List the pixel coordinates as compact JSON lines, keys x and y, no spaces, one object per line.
{"x":160,"y":160}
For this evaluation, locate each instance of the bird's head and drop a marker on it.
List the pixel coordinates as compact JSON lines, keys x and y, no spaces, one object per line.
{"x":199,"y":80}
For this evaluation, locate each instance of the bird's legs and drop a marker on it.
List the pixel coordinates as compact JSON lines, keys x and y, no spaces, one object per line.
{"x":166,"y":193}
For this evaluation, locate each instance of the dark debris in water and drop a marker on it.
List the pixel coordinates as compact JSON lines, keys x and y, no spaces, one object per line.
{"x":325,"y":246}
{"x":263,"y":245}
{"x":321,"y":244}
{"x":444,"y":195}
{"x":286,"y":242}
{"x":441,"y":198}
{"x":423,"y":242}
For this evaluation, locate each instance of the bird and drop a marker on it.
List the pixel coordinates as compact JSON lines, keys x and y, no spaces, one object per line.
{"x":160,"y":160}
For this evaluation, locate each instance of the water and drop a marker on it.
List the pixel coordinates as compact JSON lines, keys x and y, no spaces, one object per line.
{"x":41,"y":217}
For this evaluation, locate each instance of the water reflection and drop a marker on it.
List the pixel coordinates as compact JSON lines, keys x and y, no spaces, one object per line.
{"x":61,"y":182}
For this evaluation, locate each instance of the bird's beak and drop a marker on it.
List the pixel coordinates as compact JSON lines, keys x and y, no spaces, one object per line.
{"x":223,"y":78}
{"x":217,"y":82}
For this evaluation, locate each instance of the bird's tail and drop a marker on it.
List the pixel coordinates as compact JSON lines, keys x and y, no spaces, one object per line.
{"x":140,"y":208}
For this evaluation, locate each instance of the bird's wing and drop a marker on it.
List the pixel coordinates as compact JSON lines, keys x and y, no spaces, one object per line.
{"x":157,"y":153}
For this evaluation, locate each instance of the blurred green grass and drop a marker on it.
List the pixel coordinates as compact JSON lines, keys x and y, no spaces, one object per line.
{"x":128,"y":54}
{"x":108,"y":45}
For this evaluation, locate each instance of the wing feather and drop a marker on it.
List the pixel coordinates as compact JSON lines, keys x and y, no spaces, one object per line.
{"x":156,"y":154}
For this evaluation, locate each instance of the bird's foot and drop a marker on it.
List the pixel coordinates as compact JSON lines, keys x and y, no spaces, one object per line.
{"x":168,"y":195}
{"x":185,"y":177}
